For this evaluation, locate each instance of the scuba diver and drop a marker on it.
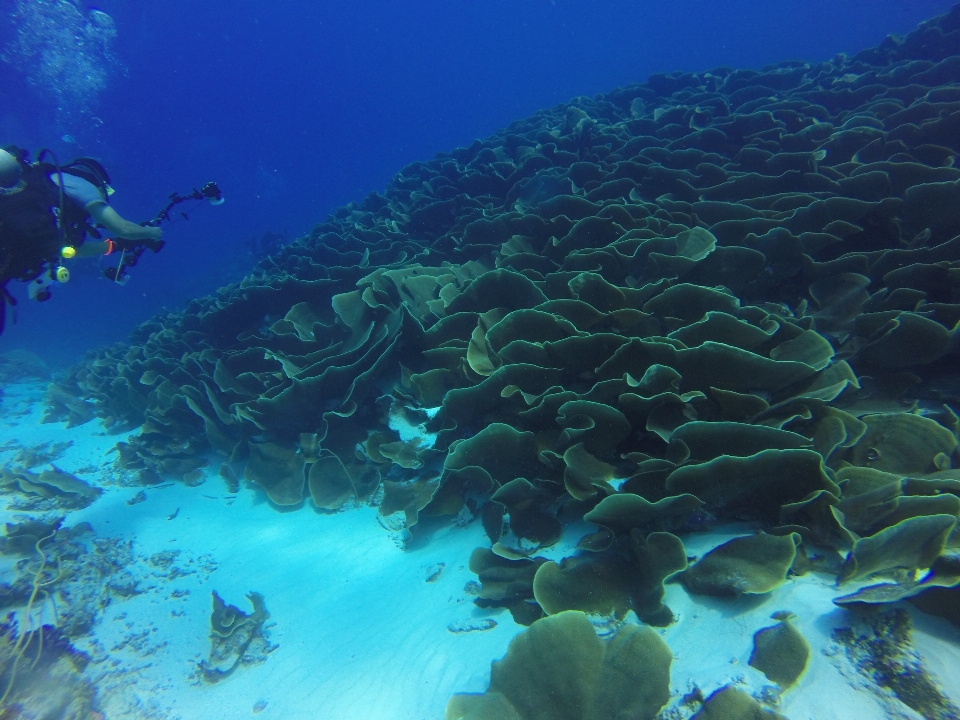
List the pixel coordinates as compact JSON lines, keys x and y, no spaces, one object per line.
{"x":48,"y":210}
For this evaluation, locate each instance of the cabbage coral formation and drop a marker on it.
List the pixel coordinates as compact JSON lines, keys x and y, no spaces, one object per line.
{"x":737,"y":286}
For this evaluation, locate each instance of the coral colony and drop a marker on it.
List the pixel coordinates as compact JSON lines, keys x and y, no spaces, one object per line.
{"x":718,"y":297}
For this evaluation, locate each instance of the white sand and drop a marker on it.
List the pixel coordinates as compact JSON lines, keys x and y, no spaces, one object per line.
{"x":359,"y":632}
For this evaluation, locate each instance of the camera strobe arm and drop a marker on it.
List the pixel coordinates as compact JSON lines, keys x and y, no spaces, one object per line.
{"x":209,"y":192}
{"x":131,"y":250}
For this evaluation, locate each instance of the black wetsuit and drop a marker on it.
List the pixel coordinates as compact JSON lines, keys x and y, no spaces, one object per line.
{"x":36,"y":221}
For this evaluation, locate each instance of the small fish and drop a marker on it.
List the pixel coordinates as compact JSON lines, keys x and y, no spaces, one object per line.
{"x":69,"y":139}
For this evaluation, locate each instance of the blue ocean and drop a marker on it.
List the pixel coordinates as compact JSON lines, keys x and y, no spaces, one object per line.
{"x":541,"y":360}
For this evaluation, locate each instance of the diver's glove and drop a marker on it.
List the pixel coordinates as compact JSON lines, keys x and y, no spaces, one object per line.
{"x":124,"y":245}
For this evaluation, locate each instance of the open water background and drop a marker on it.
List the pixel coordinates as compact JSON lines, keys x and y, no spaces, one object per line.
{"x":297,"y":107}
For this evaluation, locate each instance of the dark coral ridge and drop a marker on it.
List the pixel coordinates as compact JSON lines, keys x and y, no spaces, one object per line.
{"x":749,"y":274}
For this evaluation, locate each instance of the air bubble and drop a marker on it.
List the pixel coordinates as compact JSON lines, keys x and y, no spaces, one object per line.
{"x":65,"y":53}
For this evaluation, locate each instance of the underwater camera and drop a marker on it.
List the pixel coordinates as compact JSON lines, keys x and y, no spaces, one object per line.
{"x":212,"y":193}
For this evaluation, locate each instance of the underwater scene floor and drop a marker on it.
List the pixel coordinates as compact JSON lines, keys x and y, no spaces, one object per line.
{"x":356,"y":622}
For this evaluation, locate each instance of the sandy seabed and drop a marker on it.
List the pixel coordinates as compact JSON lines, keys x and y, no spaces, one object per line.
{"x":363,"y":627}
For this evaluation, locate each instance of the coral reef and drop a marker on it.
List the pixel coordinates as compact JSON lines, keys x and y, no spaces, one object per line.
{"x":235,"y":637}
{"x":752,"y":565}
{"x":63,"y":490}
{"x":721,"y":296}
{"x":780,"y":652}
{"x":937,"y":592}
{"x":79,"y":572}
{"x":48,"y":682}
{"x":629,"y":577}
{"x":560,"y":669}
{"x":55,"y":593}
{"x":729,"y":703}
{"x":879,"y":646}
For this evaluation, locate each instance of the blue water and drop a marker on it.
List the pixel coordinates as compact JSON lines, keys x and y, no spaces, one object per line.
{"x":297,"y":107}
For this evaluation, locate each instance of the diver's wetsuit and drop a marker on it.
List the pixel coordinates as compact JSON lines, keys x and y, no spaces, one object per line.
{"x":30,"y":235}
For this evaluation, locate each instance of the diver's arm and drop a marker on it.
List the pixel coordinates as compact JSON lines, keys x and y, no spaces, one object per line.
{"x":106,"y":216}
{"x":92,"y":248}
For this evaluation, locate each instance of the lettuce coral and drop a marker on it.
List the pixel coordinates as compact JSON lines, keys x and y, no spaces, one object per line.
{"x":718,"y":285}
